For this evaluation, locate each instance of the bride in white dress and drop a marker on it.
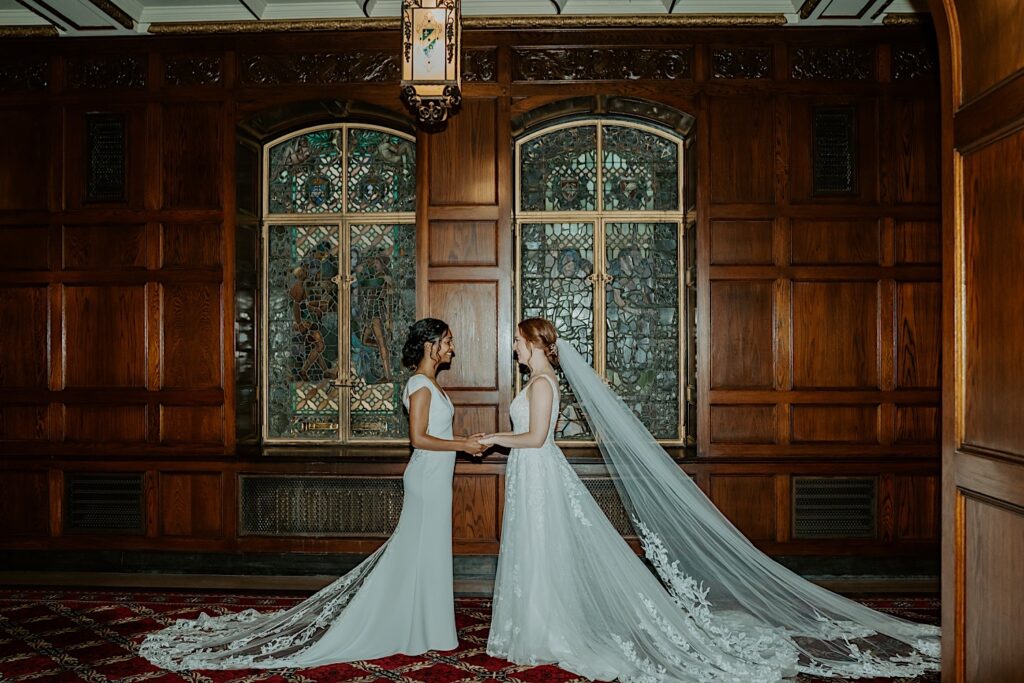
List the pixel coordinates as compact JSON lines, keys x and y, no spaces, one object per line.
{"x":398,"y":600}
{"x":571,"y":592}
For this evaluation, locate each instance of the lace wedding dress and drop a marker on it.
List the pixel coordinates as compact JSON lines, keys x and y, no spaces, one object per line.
{"x":398,"y":600}
{"x":570,"y":591}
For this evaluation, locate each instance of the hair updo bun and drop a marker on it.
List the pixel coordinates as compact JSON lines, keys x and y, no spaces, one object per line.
{"x":541,"y":334}
{"x":423,"y":331}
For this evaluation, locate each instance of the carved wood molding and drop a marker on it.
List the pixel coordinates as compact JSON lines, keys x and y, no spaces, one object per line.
{"x":741,"y":62}
{"x":479,"y":65}
{"x":368,"y":66}
{"x":192,"y":70}
{"x":24,"y":73}
{"x":128,"y":71}
{"x":913,"y":61}
{"x":833,"y":63}
{"x":602,"y":64}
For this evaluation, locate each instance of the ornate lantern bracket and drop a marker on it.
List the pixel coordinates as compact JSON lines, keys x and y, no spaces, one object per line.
{"x":431,"y":58}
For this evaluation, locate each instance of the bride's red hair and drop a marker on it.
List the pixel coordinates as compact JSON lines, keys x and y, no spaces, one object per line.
{"x":541,"y":334}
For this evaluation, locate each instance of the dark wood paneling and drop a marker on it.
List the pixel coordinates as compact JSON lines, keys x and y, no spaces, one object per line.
{"x":105,"y":423}
{"x":835,"y":334}
{"x":918,"y":334}
{"x":191,"y":336}
{"x":742,"y":149}
{"x":471,"y":309}
{"x":24,"y":503}
{"x":989,"y":60}
{"x":23,"y":422}
{"x":917,"y":507}
{"x":743,"y":424}
{"x":918,"y":242}
{"x":474,"y":508}
{"x":463,"y":158}
{"x":24,"y":247}
{"x":475,"y":419}
{"x":835,"y":242}
{"x":917,"y":424}
{"x":98,"y":247}
{"x":191,"y":504}
{"x":191,"y":424}
{"x":23,"y":337}
{"x":915,"y":136}
{"x":865,"y":157}
{"x":749,"y":503}
{"x":834,"y":424}
{"x":741,"y":242}
{"x":105,"y":342}
{"x":463,"y":243}
{"x":24,"y":159}
{"x":191,"y":245}
{"x":192,"y":154}
{"x":741,"y":330}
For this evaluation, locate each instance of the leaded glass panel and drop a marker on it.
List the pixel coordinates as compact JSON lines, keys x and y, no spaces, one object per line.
{"x":642,"y":321}
{"x":557,"y":260}
{"x":302,"y":331}
{"x":383,"y":306}
{"x":640,"y":170}
{"x":381,"y":172}
{"x":558,"y":171}
{"x":305,"y":174}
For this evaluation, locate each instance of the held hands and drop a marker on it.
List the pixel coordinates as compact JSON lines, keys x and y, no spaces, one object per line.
{"x":473,"y":445}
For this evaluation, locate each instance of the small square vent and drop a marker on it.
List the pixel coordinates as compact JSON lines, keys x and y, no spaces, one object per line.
{"x":107,"y":502}
{"x":834,"y":507}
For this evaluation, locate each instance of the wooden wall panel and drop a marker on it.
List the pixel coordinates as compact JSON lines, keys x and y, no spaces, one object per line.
{"x":191,"y":504}
{"x":994,"y":258}
{"x":24,"y":503}
{"x":463,"y":158}
{"x":75,"y":167}
{"x":102,"y":247}
{"x":105,"y":342}
{"x":471,"y":309}
{"x":918,"y":334}
{"x":835,"y":334}
{"x":101,"y":423}
{"x":745,"y":500}
{"x":474,"y":511}
{"x":916,"y":155}
{"x":24,"y":159}
{"x":191,"y":245}
{"x":834,"y":424}
{"x":917,"y":507}
{"x":918,"y":242}
{"x":191,"y":424}
{"x":191,"y":336}
{"x":865,"y":148}
{"x":24,"y":247}
{"x":835,"y":242}
{"x":23,"y":337}
{"x":463,"y":243}
{"x":917,"y":424}
{"x":475,"y":419}
{"x":743,"y":424}
{"x":742,"y":137}
{"x":192,"y":155}
{"x":989,"y":60}
{"x":741,"y":325}
{"x":741,"y":242}
{"x":19,"y":422}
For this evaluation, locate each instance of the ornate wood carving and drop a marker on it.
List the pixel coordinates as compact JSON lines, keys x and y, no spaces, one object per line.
{"x":193,"y":70}
{"x":24,"y":73}
{"x":107,"y":72}
{"x":741,"y":62}
{"x":833,"y":63}
{"x":376,"y":66}
{"x":479,"y":65}
{"x":602,"y":64}
{"x":912,"y":61}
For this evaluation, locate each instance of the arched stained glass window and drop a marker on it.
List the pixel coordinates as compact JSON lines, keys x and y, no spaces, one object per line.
{"x":599,"y":235}
{"x":339,"y":264}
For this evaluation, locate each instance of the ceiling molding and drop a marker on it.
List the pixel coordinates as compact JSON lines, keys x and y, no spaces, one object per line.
{"x":31,"y":31}
{"x":114,"y":12}
{"x":276,"y":26}
{"x":910,"y":19}
{"x":808,"y":7}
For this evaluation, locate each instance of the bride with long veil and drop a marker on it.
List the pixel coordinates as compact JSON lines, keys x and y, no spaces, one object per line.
{"x":570,"y":591}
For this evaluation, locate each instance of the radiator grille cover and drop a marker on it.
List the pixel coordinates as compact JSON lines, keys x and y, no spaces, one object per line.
{"x":835,"y":161}
{"x":603,"y":491}
{"x":107,"y":502}
{"x":319,"y":506}
{"x":834,"y":507}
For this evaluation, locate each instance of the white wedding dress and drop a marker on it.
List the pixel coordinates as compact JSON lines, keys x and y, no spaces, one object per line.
{"x":570,"y":591}
{"x":398,"y":600}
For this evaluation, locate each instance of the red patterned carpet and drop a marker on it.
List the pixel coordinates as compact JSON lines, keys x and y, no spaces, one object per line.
{"x":68,"y":635}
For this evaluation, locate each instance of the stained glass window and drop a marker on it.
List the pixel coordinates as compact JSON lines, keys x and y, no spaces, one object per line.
{"x":340,"y":291}
{"x":599,"y":256}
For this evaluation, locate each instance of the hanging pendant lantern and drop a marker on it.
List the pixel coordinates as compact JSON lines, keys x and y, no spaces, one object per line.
{"x":431,"y":58}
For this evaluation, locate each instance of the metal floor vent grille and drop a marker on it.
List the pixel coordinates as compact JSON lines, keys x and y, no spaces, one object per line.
{"x":834,"y":507}
{"x":319,"y":506}
{"x":603,"y":491}
{"x":106,"y":502}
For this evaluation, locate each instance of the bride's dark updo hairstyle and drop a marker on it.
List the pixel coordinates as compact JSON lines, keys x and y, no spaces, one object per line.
{"x":540,"y":333}
{"x":421,"y":332}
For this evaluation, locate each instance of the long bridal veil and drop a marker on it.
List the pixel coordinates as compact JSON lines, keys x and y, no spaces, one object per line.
{"x":717,"y":577}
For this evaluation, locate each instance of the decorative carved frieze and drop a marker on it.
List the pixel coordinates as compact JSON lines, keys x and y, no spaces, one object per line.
{"x":833,"y":63}
{"x":912,"y":61}
{"x":192,"y":70}
{"x":127,"y":71}
{"x":741,"y":62}
{"x":24,"y":73}
{"x":479,"y":66}
{"x":602,"y":64}
{"x":372,"y":66}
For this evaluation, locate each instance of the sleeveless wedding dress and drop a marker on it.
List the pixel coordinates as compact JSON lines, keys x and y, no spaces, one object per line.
{"x":398,"y":600}
{"x":570,"y":591}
